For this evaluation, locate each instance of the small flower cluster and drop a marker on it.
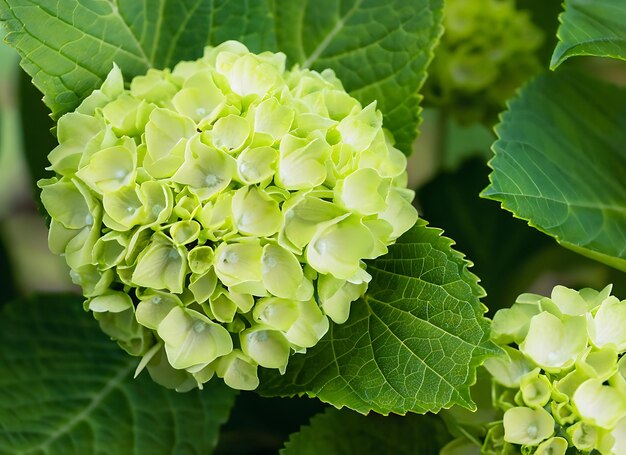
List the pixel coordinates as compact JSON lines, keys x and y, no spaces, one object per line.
{"x":487,"y":51}
{"x":562,"y":383}
{"x":216,"y":215}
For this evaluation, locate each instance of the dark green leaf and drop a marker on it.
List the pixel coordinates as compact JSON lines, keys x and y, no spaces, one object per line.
{"x":380,"y":50}
{"x":560,"y":163}
{"x":65,"y":389}
{"x":591,"y":28}
{"x":411,"y":344}
{"x":346,"y":433}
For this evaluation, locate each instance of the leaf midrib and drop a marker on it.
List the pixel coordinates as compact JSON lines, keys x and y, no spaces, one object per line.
{"x":107,"y":388}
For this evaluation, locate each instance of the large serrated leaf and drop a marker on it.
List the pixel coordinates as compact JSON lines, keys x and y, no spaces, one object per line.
{"x":411,"y":344}
{"x":373,"y":434}
{"x":560,"y":163}
{"x":591,"y":27}
{"x":380,"y":50}
{"x":65,"y":389}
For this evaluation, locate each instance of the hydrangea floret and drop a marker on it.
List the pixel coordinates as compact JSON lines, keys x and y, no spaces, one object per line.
{"x":218,"y":214}
{"x":488,"y":49}
{"x":561,"y":383}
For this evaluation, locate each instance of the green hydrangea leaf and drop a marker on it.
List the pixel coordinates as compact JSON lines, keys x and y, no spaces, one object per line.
{"x":591,"y":28}
{"x":411,"y":344}
{"x":63,"y":404}
{"x":583,"y":211}
{"x":397,"y":435}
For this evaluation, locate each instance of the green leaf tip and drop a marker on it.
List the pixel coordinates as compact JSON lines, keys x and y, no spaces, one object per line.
{"x":224,"y":200}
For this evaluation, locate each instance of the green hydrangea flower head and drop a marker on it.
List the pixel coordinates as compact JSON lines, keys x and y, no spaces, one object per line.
{"x":561,"y":383}
{"x":218,"y":214}
{"x":488,"y":49}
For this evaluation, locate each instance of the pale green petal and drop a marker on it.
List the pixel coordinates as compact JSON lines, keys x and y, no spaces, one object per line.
{"x":187,"y":204}
{"x":222,"y":307}
{"x":339,"y":247}
{"x":66,"y":204}
{"x":154,"y":306}
{"x":554,"y":343}
{"x":399,"y":212}
{"x":277,"y":313}
{"x":203,"y":285}
{"x":184,"y":232}
{"x":255,"y":213}
{"x":167,"y":134}
{"x":553,"y":446}
{"x":59,"y":236}
{"x":282,"y":272}
{"x":583,"y":436}
{"x":93,"y":281}
{"x":359,"y":129}
{"x":508,"y":369}
{"x":110,"y":249}
{"x":111,"y":301}
{"x":127,"y":115}
{"x":336,"y":295}
{"x":569,"y":301}
{"x":158,"y":199}
{"x":527,"y":426}
{"x":112,"y":87}
{"x":310,"y":326}
{"x":600,"y":364}
{"x":230,"y":133}
{"x":111,"y":168}
{"x":510,"y":325}
{"x":123,"y":208}
{"x":200,"y":98}
{"x":598,"y":404}
{"x":270,"y":117}
{"x":536,"y":389}
{"x":608,"y":326}
{"x":595,"y":298}
{"x":238,"y":371}
{"x":76,"y":132}
{"x":155,"y":86}
{"x":162,"y":265}
{"x":255,"y":165}
{"x":269,"y":348}
{"x":123,"y":328}
{"x":191,"y":338}
{"x":79,"y":250}
{"x":303,"y":214}
{"x":619,"y":437}
{"x":302,"y":163}
{"x":200,"y":259}
{"x":568,"y":385}
{"x":164,"y":374}
{"x":249,"y":74}
{"x":363,"y":191}
{"x":205,"y":169}
{"x":238,"y":263}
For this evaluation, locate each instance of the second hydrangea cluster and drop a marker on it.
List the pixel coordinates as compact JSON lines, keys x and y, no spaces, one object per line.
{"x":216,"y":215}
{"x":562,"y":383}
{"x":487,"y":51}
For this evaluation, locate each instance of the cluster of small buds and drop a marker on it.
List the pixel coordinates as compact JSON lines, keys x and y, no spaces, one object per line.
{"x":218,"y":214}
{"x":487,"y":51}
{"x":562,"y":381}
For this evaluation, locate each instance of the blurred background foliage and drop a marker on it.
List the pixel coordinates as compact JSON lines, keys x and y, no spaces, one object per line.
{"x":448,"y":169}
